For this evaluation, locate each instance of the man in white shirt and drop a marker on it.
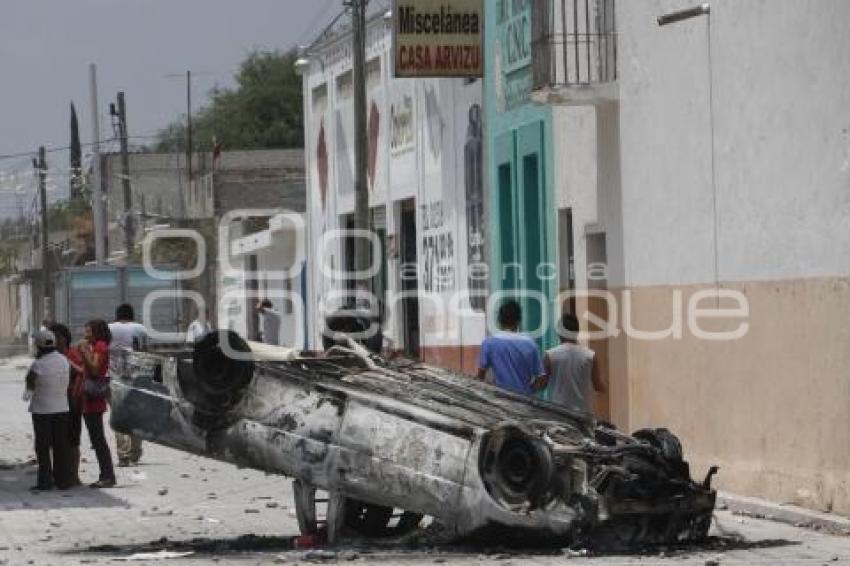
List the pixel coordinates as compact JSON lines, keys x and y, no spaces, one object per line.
{"x":126,"y":335}
{"x":199,"y":327}
{"x":270,"y":322}
{"x":573,"y":370}
{"x":126,"y":332}
{"x":47,"y":393}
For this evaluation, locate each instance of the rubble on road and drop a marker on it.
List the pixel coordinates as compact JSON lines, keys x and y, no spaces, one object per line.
{"x":161,"y":555}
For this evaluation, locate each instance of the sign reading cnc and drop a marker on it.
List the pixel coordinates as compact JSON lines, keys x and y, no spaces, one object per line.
{"x":438,"y":38}
{"x":513,"y":53}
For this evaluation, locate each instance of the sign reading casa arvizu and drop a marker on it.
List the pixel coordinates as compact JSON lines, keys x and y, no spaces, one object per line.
{"x":438,"y":38}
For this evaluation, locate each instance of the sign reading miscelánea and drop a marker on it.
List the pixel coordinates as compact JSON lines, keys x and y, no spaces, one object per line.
{"x":438,"y":38}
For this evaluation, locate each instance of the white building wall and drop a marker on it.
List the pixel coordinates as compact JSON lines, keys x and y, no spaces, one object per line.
{"x":770,"y":407}
{"x":279,"y":290}
{"x":422,"y":129}
{"x":280,"y":271}
{"x":575,"y":182}
{"x":781,"y":115}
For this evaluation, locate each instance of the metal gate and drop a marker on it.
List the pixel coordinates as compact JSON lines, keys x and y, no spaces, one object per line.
{"x":94,"y":292}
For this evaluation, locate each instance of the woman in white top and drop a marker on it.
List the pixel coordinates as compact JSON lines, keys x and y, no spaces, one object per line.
{"x":47,"y":393}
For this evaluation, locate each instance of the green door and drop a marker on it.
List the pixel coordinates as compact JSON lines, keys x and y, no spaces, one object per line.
{"x":522,"y":220}
{"x":530,"y":158}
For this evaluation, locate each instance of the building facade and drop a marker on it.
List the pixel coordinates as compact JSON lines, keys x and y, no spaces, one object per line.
{"x":426,"y":188}
{"x":548,"y":220}
{"x":705,"y":182}
{"x":231,"y":203}
{"x":520,"y":168}
{"x":257,"y":200}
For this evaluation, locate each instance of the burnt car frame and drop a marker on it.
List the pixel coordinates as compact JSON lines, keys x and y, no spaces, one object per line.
{"x":382,"y":435}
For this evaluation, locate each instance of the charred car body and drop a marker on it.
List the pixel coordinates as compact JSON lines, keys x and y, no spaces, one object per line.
{"x":381,"y":435}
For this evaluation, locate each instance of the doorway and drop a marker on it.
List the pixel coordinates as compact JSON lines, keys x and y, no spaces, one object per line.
{"x":252,"y":294}
{"x":533,"y":234}
{"x":409,"y":278}
{"x":378,"y":284}
{"x":566,"y":259}
{"x":597,"y":279}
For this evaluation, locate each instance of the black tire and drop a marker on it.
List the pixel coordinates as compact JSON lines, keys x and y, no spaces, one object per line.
{"x":516,"y":467}
{"x":215,"y":382}
{"x":670,"y":449}
{"x":662,"y":439}
{"x":364,"y":327}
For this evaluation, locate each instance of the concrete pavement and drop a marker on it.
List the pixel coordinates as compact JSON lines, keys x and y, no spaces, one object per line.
{"x":217,"y":512}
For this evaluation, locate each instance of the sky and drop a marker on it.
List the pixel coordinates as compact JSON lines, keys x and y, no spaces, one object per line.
{"x":46,"y":47}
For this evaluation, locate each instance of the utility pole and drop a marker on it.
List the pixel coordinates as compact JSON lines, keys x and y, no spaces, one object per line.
{"x":125,"y":173}
{"x":40,"y":165}
{"x":189,"y":126}
{"x":190,"y":146}
{"x":97,"y":192}
{"x":361,"y":135}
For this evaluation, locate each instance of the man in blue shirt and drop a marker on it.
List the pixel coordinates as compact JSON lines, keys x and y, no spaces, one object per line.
{"x":513,"y":357}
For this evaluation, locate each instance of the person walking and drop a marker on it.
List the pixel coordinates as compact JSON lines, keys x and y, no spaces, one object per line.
{"x":199,"y":327}
{"x":512,"y":357}
{"x":76,"y":394}
{"x":47,"y":394}
{"x":572,"y":369}
{"x":127,"y":335}
{"x":94,"y":354}
{"x":270,"y":322}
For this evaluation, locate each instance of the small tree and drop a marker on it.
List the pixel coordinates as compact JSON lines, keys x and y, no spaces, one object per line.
{"x":263,"y":111}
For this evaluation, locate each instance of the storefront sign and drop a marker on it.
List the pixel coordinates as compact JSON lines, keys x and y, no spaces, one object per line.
{"x":513,"y":57}
{"x":438,"y":38}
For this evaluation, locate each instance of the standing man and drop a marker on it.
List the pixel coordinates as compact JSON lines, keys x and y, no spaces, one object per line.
{"x":572,"y":369}
{"x":513,"y":357}
{"x":47,"y":393}
{"x":269,"y":322}
{"x":127,"y":335}
{"x":199,"y":327}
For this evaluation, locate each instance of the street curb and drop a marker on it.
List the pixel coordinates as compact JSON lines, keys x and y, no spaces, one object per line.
{"x":784,"y":513}
{"x":13,"y":350}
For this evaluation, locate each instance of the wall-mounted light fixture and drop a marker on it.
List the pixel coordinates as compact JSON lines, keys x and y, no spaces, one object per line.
{"x":686,"y":14}
{"x":671,"y":18}
{"x":303,"y":62}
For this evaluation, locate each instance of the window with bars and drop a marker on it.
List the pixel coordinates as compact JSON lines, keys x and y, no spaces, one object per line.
{"x":574,"y":42}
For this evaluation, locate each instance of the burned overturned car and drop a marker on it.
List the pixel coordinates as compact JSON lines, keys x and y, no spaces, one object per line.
{"x":393,"y":441}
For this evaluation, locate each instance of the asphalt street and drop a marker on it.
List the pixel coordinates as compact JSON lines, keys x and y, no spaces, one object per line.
{"x":204,"y":511}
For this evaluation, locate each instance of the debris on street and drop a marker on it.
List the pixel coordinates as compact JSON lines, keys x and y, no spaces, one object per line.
{"x":161,"y":555}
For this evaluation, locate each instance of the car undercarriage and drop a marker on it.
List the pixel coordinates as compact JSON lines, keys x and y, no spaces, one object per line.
{"x":393,"y":441}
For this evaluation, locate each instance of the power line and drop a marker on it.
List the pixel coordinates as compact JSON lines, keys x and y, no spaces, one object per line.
{"x":321,"y":14}
{"x":51,"y":150}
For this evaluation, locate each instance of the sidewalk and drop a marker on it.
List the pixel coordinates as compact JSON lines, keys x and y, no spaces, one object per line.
{"x":784,"y":513}
{"x":12,"y":350}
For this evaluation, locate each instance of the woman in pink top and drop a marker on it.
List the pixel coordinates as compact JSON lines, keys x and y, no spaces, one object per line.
{"x":94,"y":351}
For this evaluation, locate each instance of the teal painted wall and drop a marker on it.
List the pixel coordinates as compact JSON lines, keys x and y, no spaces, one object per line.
{"x":521,"y":207}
